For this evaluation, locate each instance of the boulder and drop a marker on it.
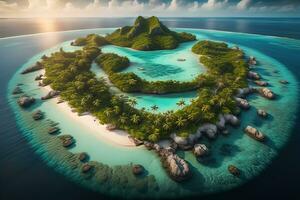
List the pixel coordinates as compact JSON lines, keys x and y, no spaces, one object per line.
{"x":39,"y":77}
{"x":267,"y":93}
{"x":283,"y":82}
{"x":36,"y":67}
{"x":232,"y":120}
{"x":83,"y":156}
{"x":53,"y":130}
{"x":51,"y":95}
{"x":253,"y":75}
{"x":136,"y":141}
{"x":252,"y":61}
{"x":86,"y":168}
{"x":233,"y":170}
{"x":137,"y":169}
{"x":221,"y":123}
{"x":179,"y":140}
{"x":242,"y":103}
{"x":177,"y":168}
{"x":148,"y":145}
{"x":210,"y":130}
{"x":254,"y":133}
{"x":262,"y":113}
{"x":242,"y":92}
{"x":37,"y":115}
{"x":25,"y":101}
{"x":68,"y":142}
{"x":261,"y":83}
{"x":200,"y":150}
{"x":17,"y":90}
{"x":111,"y":127}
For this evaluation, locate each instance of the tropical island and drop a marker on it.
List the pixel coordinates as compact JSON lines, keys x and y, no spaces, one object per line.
{"x":221,"y":91}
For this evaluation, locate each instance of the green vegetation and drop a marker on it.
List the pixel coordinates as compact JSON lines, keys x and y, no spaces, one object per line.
{"x":70,"y":73}
{"x":145,"y":34}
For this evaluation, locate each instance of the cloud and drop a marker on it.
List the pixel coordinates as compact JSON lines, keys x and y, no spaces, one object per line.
{"x":243,"y":4}
{"x":118,"y":8}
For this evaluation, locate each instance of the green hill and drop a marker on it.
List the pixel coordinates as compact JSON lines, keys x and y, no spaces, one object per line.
{"x":148,"y":34}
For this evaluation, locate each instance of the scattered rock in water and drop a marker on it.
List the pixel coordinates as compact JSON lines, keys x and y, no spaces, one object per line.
{"x":254,"y":133}
{"x":262,"y":113}
{"x":136,"y":141}
{"x":37,"y":115}
{"x":232,"y":120}
{"x":242,"y":103}
{"x":36,"y":67}
{"x":252,"y":61}
{"x":267,"y":93}
{"x":177,"y":167}
{"x":137,"y":169}
{"x":200,"y":150}
{"x":261,"y":83}
{"x":284,"y":82}
{"x":53,"y":130}
{"x":86,"y":168}
{"x":51,"y":95}
{"x":41,"y":84}
{"x":83,"y":156}
{"x":39,"y":77}
{"x":234,"y":170}
{"x":26,"y":101}
{"x":253,"y":75}
{"x":17,"y":90}
{"x":68,"y":142}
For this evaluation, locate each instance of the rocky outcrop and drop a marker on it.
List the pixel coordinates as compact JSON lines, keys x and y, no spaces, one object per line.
{"x":242,"y":103}
{"x":136,"y":141}
{"x":233,"y":170}
{"x":83,"y":156}
{"x":86,"y":168}
{"x":37,"y":115}
{"x":252,"y":61}
{"x":137,"y":169}
{"x":267,"y":93}
{"x":231,"y":119}
{"x":51,"y":95}
{"x":262,"y":113}
{"x":261,"y":83}
{"x":26,"y":101}
{"x":243,"y":92}
{"x":53,"y":130}
{"x":283,"y":82}
{"x":254,"y":133}
{"x":17,"y":90}
{"x":200,"y":150}
{"x":177,"y":167}
{"x":39,"y":77}
{"x":36,"y":67}
{"x":253,"y":75}
{"x":210,"y":130}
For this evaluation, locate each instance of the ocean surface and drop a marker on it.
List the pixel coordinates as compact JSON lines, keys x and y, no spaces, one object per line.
{"x":23,"y":171}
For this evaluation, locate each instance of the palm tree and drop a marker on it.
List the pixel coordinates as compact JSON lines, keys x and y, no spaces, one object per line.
{"x":117,"y":109}
{"x":97,"y":103}
{"x":132,"y":102}
{"x":123,"y":119}
{"x":135,"y":118}
{"x":205,"y":108}
{"x":108,"y":112}
{"x":166,"y":126}
{"x":154,"y":107}
{"x":192,"y":116}
{"x":181,"y":103}
{"x":180,"y":122}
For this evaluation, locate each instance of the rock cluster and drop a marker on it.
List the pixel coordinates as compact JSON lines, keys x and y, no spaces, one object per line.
{"x":51,"y":95}
{"x":67,"y":140}
{"x":177,"y":167}
{"x":253,"y":75}
{"x":17,"y":90}
{"x":233,"y":170}
{"x":267,"y":93}
{"x":262,"y":113}
{"x":37,"y":115}
{"x":26,"y":101}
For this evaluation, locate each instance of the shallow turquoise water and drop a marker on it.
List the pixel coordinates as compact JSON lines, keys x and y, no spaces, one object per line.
{"x":237,"y":148}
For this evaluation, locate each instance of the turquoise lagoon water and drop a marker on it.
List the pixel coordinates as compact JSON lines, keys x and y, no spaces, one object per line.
{"x":237,"y":148}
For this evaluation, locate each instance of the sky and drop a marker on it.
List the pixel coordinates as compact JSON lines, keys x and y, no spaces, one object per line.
{"x":161,"y":8}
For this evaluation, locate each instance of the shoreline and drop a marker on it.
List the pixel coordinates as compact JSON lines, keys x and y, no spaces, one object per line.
{"x":117,"y":137}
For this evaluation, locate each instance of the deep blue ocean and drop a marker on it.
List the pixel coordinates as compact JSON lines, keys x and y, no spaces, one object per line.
{"x":24,"y":176}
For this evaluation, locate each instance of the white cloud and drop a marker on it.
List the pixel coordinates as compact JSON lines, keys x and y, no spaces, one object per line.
{"x":214,"y":4}
{"x":243,"y":4}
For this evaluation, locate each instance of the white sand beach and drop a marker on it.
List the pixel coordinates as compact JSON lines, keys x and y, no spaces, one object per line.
{"x":117,"y":137}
